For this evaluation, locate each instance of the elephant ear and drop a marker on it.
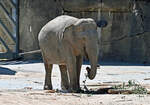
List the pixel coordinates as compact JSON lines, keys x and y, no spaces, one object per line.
{"x":80,"y":27}
{"x":67,"y":29}
{"x":73,"y":28}
{"x":85,"y":23}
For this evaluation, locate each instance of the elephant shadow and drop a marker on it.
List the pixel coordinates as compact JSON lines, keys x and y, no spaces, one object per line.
{"x":6,"y":71}
{"x":97,"y":91}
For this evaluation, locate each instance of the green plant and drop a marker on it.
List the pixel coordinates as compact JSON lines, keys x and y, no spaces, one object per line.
{"x":133,"y":86}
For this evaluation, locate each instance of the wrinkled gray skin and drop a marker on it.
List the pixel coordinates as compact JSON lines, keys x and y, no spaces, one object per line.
{"x":65,"y":40}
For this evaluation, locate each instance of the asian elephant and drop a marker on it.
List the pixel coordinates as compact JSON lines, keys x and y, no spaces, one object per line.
{"x":65,"y":40}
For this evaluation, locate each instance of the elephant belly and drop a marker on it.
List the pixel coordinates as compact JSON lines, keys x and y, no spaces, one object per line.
{"x":52,"y":51}
{"x":54,"y":56}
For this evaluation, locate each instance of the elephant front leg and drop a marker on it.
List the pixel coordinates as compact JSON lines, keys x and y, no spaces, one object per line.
{"x":64,"y":77}
{"x":73,"y":87}
{"x":79,"y":60}
{"x":48,"y":83}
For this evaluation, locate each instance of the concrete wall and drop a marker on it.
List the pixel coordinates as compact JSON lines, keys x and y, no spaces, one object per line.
{"x":126,"y":38}
{"x":33,"y":15}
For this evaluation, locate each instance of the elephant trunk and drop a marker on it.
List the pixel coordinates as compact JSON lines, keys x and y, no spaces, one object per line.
{"x":93,"y":70}
{"x":92,"y":52}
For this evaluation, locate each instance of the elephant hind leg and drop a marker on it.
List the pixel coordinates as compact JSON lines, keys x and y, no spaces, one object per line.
{"x":48,"y":71}
{"x":64,"y":77}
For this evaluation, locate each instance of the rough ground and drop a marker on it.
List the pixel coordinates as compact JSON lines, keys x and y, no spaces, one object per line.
{"x":21,"y":83}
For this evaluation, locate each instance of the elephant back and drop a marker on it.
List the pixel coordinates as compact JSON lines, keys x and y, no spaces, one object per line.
{"x":58,"y":25}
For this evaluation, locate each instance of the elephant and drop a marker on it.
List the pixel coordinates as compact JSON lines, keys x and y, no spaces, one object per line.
{"x":65,"y":41}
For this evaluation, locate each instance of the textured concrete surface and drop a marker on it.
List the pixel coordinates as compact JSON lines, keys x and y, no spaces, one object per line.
{"x":33,"y":16}
{"x":126,"y":38}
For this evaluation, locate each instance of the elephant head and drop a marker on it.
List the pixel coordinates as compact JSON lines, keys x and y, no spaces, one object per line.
{"x":85,"y":30}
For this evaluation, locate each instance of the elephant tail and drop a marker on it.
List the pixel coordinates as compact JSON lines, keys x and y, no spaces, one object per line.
{"x":30,"y":52}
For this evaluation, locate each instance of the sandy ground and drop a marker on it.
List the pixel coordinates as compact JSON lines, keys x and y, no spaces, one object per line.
{"x":43,"y":98}
{"x":21,"y":83}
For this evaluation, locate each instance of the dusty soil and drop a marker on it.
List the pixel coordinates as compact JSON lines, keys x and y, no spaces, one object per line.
{"x":21,"y":83}
{"x":43,"y":98}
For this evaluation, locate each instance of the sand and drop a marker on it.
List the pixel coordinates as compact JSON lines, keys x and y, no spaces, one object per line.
{"x":22,"y":84}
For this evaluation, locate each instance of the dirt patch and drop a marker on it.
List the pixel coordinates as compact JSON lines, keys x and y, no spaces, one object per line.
{"x":44,"y":98}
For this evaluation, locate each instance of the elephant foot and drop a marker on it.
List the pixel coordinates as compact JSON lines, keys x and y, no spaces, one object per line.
{"x":77,"y":90}
{"x":64,"y":91}
{"x":80,"y":91}
{"x":64,"y":87}
{"x":47,"y":87}
{"x":72,"y":91}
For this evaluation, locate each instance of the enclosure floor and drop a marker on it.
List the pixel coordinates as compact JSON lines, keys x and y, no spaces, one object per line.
{"x":21,"y":83}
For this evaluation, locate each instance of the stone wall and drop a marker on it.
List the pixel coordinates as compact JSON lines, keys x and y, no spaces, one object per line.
{"x":126,"y":37}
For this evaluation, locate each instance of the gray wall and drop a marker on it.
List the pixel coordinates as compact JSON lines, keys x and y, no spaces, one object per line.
{"x":33,"y":15}
{"x":126,"y":38}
